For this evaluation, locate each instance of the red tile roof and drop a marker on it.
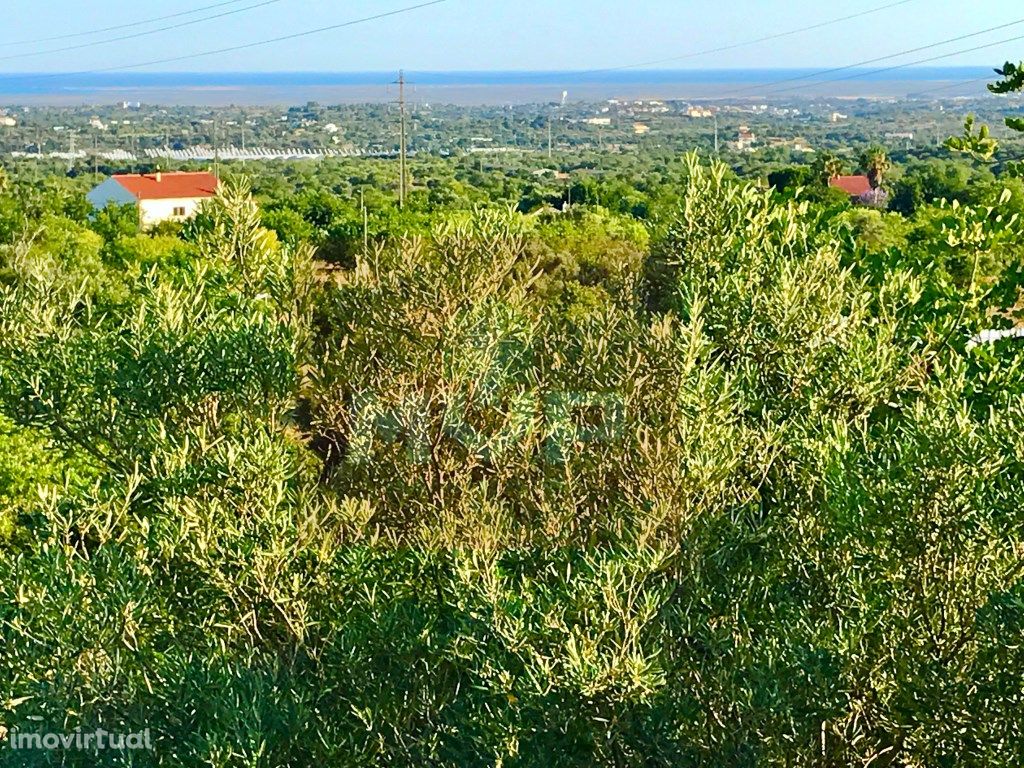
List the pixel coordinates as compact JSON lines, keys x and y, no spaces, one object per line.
{"x":854,"y":186}
{"x":167,"y":186}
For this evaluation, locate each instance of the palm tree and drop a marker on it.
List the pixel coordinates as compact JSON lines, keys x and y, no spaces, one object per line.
{"x":876,"y":162}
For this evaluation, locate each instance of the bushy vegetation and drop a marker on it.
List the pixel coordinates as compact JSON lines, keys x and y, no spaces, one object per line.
{"x":691,"y":472}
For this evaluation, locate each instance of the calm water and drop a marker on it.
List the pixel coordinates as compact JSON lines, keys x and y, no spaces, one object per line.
{"x":464,"y":87}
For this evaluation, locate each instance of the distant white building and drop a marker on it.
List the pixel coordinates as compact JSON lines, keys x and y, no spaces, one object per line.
{"x":799,"y":145}
{"x":159,"y":197}
{"x":7,"y":121}
{"x":699,"y":112}
{"x":745,"y":139}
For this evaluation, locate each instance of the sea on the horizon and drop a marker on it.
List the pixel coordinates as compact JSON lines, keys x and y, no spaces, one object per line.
{"x":219,"y":88}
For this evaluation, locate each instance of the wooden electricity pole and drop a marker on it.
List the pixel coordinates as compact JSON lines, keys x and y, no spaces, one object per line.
{"x":404,"y":145}
{"x":216,"y":150}
{"x":366,"y":222}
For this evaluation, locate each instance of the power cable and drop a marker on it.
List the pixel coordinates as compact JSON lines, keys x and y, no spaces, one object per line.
{"x":147,"y":33}
{"x":951,"y":86}
{"x":895,"y":67}
{"x":757,"y":41}
{"x":244,"y":46}
{"x":834,"y":70}
{"x":118,"y":27}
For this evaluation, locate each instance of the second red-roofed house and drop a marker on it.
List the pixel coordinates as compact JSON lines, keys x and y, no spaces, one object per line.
{"x":158,"y":196}
{"x":854,"y":186}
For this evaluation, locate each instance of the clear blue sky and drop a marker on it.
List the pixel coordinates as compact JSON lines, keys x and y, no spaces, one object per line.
{"x":525,"y":34}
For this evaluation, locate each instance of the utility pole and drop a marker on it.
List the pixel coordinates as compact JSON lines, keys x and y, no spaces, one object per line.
{"x":366,"y":222}
{"x":551,"y":117}
{"x":403,"y":146}
{"x":216,"y":152}
{"x":716,"y":133}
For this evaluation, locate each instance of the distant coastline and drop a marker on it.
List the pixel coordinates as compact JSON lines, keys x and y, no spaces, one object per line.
{"x":250,"y":88}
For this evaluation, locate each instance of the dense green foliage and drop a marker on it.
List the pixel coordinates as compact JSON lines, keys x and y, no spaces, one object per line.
{"x":689,"y":472}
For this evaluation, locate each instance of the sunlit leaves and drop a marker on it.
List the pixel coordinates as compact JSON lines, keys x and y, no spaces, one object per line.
{"x":1012,"y":78}
{"x":978,"y":144}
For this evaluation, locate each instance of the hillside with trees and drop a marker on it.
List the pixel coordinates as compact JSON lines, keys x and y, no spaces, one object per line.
{"x":665,"y":466}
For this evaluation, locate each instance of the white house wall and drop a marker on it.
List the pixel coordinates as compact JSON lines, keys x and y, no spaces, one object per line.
{"x":153,"y":212}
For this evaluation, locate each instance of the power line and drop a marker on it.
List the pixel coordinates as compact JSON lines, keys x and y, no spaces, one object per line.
{"x":117,"y":27}
{"x":757,"y":41}
{"x":846,"y":68}
{"x":928,"y":60}
{"x":246,"y":46}
{"x":147,"y":33}
{"x":951,"y":86}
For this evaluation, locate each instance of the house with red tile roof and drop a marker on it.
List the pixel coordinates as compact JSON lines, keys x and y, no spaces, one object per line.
{"x":854,"y":186}
{"x":158,"y":196}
